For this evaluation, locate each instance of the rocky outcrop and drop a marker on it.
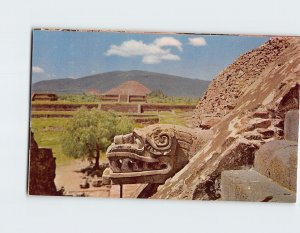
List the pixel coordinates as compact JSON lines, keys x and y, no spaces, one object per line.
{"x":256,"y":116}
{"x":225,"y":90}
{"x":41,"y":170}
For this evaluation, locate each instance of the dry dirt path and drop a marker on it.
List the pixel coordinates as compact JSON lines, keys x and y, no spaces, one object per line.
{"x":69,"y":177}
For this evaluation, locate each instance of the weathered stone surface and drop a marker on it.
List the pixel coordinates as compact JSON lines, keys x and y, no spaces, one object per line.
{"x":105,"y":176}
{"x":291,"y":125}
{"x":278,"y":160}
{"x":96,"y":181}
{"x":154,"y":153}
{"x":225,"y":90}
{"x":249,"y":185}
{"x":84,"y":183}
{"x":208,"y":122}
{"x":41,"y":170}
{"x":257,"y":117}
{"x":145,"y":190}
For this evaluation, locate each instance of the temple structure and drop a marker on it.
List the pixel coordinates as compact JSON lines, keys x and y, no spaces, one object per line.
{"x":130,"y":91}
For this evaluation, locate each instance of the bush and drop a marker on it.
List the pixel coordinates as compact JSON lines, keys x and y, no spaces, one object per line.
{"x":89,"y":133}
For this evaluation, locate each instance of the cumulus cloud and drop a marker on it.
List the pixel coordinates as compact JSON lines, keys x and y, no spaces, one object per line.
{"x":198,"y":41}
{"x":37,"y":69}
{"x":152,"y":53}
{"x":168,"y":41}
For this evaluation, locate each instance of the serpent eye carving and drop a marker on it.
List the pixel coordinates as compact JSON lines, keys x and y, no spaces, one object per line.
{"x":149,"y":155}
{"x":160,"y":143}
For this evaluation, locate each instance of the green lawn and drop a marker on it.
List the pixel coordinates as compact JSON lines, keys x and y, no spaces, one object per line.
{"x":172,"y":100}
{"x":172,"y":118}
{"x":47,"y":133}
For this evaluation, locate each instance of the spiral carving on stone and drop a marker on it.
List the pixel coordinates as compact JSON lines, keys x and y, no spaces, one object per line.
{"x":160,"y":143}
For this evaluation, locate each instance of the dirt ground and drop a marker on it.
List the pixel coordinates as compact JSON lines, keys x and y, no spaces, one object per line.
{"x":69,"y":177}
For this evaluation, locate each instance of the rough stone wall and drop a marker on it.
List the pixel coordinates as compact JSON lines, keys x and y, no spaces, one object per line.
{"x":257,"y":118}
{"x":61,"y":107}
{"x":158,"y":107}
{"x":133,"y":108}
{"x":41,"y":170}
{"x":225,"y":90}
{"x":136,"y":108}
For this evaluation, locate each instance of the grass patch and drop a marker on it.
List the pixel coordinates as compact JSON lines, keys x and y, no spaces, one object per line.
{"x":79,"y":98}
{"x":47,"y":133}
{"x":172,"y":100}
{"x":171,"y":118}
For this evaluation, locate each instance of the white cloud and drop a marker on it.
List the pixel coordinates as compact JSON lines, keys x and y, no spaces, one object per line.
{"x":198,"y":41}
{"x":152,"y":53}
{"x":155,"y":59}
{"x":168,"y":41}
{"x":37,"y":69}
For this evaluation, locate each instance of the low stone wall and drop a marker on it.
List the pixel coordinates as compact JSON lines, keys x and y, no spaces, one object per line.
{"x":159,"y":107}
{"x":51,"y":115}
{"x":61,"y":107}
{"x":133,"y":108}
{"x":147,"y":121}
{"x":130,"y":108}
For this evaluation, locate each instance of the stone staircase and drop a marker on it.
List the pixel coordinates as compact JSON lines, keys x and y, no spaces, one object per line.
{"x":274,"y":175}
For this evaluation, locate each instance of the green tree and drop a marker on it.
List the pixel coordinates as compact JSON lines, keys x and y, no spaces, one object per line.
{"x":90,"y":132}
{"x":124,"y":125}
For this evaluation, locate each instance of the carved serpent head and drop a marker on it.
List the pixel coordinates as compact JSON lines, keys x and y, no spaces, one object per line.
{"x":149,"y":155}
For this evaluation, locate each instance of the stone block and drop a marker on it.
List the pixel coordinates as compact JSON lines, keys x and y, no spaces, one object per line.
{"x":278,"y":161}
{"x":249,"y":185}
{"x":291,"y":125}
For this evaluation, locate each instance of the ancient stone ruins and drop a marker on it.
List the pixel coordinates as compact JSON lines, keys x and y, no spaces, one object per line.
{"x":247,"y":148}
{"x":41,"y":170}
{"x":242,"y":146}
{"x":154,"y":153}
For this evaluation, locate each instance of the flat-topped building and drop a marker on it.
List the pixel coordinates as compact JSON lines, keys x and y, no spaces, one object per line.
{"x":44,"y":97}
{"x":130,"y":91}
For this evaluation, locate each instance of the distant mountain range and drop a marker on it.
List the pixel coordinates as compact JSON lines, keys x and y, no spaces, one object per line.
{"x":171,"y":85}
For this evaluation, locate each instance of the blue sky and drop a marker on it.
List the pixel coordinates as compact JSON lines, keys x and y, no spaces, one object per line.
{"x":62,"y":54}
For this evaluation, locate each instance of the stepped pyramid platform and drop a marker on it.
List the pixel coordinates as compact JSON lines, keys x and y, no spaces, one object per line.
{"x":274,"y":175}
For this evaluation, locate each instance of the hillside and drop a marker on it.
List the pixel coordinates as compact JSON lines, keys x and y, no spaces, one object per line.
{"x":169,"y":84}
{"x":262,"y":95}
